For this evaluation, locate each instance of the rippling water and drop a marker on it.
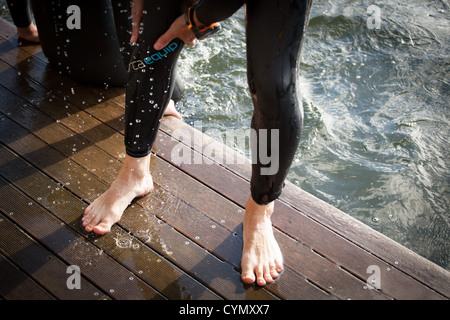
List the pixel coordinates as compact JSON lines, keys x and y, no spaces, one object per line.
{"x":375,"y":141}
{"x":376,"y":134}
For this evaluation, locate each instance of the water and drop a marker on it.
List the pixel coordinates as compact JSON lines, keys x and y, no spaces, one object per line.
{"x":376,"y":133}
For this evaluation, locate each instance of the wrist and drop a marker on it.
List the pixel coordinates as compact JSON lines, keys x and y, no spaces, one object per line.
{"x":200,"y":30}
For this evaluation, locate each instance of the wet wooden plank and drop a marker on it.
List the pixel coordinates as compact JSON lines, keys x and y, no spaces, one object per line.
{"x":40,"y":264}
{"x":144,"y":263}
{"x":99,"y":268}
{"x":17,"y":285}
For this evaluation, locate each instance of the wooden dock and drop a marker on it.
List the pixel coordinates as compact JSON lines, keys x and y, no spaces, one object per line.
{"x":61,"y":145}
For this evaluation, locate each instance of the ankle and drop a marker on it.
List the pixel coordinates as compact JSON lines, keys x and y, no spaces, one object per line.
{"x":136,"y":168}
{"x":255,"y":210}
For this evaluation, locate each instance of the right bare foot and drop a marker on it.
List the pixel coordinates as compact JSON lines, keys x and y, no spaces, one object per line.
{"x":134,"y":180}
{"x":262,"y":260}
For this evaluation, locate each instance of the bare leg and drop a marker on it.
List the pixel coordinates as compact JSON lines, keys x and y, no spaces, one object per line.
{"x":134,"y":180}
{"x":261,"y":256}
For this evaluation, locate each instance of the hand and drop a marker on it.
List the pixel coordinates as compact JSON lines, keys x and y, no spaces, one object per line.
{"x":136,"y":17}
{"x":178,"y":29}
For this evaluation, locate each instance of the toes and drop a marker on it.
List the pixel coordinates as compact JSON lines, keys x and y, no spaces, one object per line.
{"x":267,"y":275}
{"x":248,"y":278}
{"x":89,"y":221}
{"x":260,"y":277}
{"x":279,"y":265}
{"x":102,"y":228}
{"x":88,"y":226}
{"x":273,"y":271}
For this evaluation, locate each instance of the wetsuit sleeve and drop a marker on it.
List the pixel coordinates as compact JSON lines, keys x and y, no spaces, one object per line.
{"x":210,"y":11}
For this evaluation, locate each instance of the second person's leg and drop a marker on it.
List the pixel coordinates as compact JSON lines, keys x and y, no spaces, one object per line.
{"x":275,"y":31}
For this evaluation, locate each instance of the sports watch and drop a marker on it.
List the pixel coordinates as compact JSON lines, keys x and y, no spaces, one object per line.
{"x":200,"y":32}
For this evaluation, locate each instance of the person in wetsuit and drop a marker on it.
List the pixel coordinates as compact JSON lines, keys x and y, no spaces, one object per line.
{"x":275,"y":31}
{"x":21,"y":15}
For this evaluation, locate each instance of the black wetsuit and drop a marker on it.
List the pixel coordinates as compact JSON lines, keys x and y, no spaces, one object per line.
{"x":275,"y":31}
{"x":20,"y":12}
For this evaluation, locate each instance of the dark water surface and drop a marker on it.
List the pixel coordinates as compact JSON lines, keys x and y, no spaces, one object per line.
{"x":376,"y":102}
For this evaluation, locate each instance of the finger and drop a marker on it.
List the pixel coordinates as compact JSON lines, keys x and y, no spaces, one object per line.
{"x":135,"y":27}
{"x":190,"y":42}
{"x":136,"y":18}
{"x":164,"y":40}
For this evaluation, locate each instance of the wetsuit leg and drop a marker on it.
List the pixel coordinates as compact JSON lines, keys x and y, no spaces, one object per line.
{"x":275,"y":32}
{"x":151,"y":73}
{"x":20,"y":12}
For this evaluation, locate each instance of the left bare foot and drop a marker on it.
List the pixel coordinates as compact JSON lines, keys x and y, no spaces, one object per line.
{"x":261,"y":256}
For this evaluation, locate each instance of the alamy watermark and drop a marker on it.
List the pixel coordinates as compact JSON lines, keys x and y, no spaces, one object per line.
{"x":264,"y":147}
{"x":374,"y":19}
{"x":74,"y":19}
{"x":74,"y":280}
{"x":374,"y":280}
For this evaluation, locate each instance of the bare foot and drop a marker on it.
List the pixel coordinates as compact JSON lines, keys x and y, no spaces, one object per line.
{"x":261,"y":256}
{"x":134,"y":180}
{"x":171,"y":111}
{"x":29,"y":33}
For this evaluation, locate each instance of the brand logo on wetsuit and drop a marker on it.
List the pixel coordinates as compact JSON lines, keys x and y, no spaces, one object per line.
{"x":139,"y":64}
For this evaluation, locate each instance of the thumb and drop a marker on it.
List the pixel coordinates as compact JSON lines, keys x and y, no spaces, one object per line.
{"x":164,"y":40}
